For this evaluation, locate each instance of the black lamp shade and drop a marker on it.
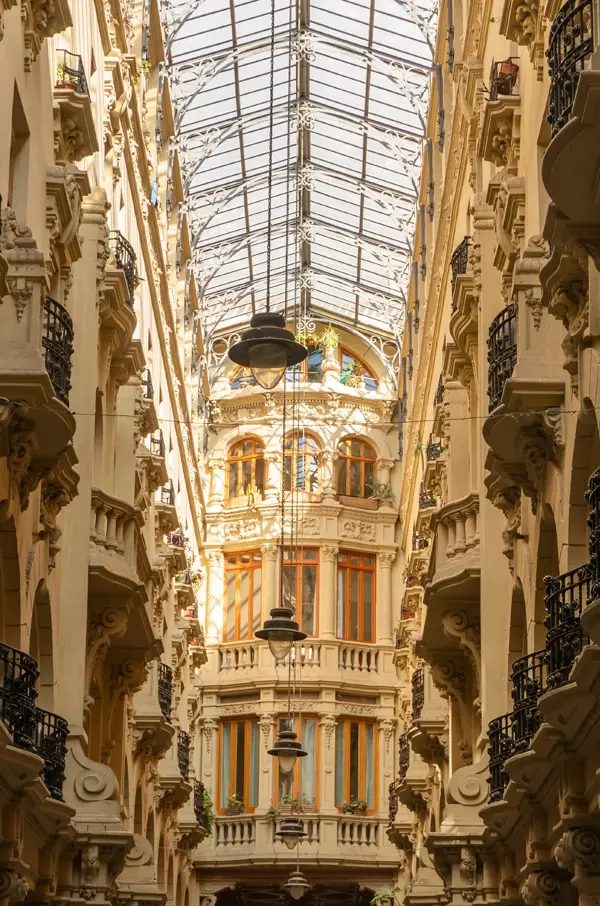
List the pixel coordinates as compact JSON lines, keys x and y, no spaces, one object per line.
{"x":268,"y":349}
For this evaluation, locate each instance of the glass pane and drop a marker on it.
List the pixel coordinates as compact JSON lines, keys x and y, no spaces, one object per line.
{"x":287,"y":474}
{"x":247,"y":446}
{"x":340,"y":792}
{"x":233,"y":479}
{"x":369,"y":473}
{"x":356,"y":488}
{"x":240,"y":761}
{"x":253,"y":792}
{"x":300,"y":472}
{"x":368,"y":453}
{"x":246,"y":475}
{"x":354,"y":758}
{"x":353,"y":633}
{"x":256,"y":589}
{"x":244,"y":620}
{"x":230,"y":615}
{"x":260,"y":474}
{"x":314,"y":474}
{"x":355,"y":448}
{"x":225,"y":763}
{"x":289,"y":586}
{"x":314,"y":365}
{"x":341,"y":485}
{"x":367,"y":607}
{"x":308,"y":765}
{"x":311,"y":555}
{"x":309,"y":599}
{"x":369,"y":766}
{"x":341,"y":604}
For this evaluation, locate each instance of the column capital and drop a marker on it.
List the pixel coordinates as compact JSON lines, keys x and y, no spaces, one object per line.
{"x":386,"y":558}
{"x":214,"y":557}
{"x":329,"y":552}
{"x":384,"y":463}
{"x":269,"y":550}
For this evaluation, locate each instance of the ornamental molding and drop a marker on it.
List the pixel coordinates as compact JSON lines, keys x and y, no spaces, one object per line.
{"x":363,"y":531}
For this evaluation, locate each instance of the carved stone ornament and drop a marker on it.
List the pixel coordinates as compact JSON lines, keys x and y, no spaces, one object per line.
{"x":26,"y":264}
{"x":13,"y":887}
{"x":41,"y":19}
{"x":364,"y":531}
{"x":578,"y":851}
{"x":328,"y":722}
{"x":542,"y":888}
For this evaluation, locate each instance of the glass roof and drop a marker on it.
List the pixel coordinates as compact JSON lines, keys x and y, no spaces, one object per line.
{"x":348,"y":100}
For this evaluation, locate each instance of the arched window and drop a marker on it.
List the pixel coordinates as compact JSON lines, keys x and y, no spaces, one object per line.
{"x":354,"y":372}
{"x":355,"y":468}
{"x":245,"y":467}
{"x":301,"y":469}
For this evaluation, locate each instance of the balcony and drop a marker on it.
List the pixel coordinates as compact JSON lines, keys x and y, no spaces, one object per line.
{"x":418,"y":693}
{"x":18,"y":676}
{"x":434,"y":449}
{"x":76,"y":137}
{"x":439,"y":393}
{"x":57,"y":342}
{"x":358,"y":658}
{"x":199,"y":801}
{"x":50,"y":743}
{"x":403,"y":757}
{"x":502,"y":353}
{"x":458,"y":265}
{"x":500,"y":114}
{"x":124,"y":259}
{"x":500,"y":750}
{"x":571,"y":160}
{"x":154,"y":731}
{"x":114,"y":541}
{"x":426,"y":499}
{"x":183,"y":754}
{"x":566,"y":596}
{"x":148,"y":388}
{"x":165,"y":508}
{"x":165,"y":690}
{"x":529,"y":683}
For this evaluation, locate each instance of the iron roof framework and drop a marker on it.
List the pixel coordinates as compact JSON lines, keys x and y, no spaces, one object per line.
{"x":350,"y":94}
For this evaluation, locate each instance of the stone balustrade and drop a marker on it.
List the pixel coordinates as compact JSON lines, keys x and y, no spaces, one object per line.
{"x":113,"y":526}
{"x":359,"y":832}
{"x":363,"y":658}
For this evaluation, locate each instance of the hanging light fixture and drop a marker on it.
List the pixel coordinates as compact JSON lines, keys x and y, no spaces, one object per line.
{"x":268,"y":349}
{"x":281,"y":631}
{"x":291,"y":831}
{"x":297,"y":885}
{"x":287,"y":749}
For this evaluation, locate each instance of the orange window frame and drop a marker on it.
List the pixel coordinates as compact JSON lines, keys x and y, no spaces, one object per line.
{"x":233,"y":782}
{"x":346,"y":724}
{"x":346,"y":456}
{"x":236,"y":564}
{"x":301,"y":557}
{"x":253,"y":456}
{"x":345,"y":568}
{"x":296,"y":786}
{"x":293,"y":454}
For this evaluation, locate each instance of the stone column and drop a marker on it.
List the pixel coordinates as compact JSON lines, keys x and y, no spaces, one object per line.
{"x":387,"y":749}
{"x":209,"y":754}
{"x":328,"y":597}
{"x":272,"y":475}
{"x":270,"y":586}
{"x":327,"y":724}
{"x":384,"y":598}
{"x":328,"y":458}
{"x":216,"y":494}
{"x":215,"y":589}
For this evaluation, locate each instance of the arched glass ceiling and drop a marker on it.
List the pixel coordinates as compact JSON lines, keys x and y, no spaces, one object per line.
{"x":350,"y":95}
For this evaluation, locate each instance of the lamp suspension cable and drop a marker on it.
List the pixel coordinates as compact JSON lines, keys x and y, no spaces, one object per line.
{"x":270,"y":157}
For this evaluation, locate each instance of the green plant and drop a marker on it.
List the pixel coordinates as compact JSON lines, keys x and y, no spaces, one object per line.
{"x":354,"y":805}
{"x":329,"y":339}
{"x":307,"y":338}
{"x":208,"y":813}
{"x":234,"y":802}
{"x":388,"y":894}
{"x":381,"y":490}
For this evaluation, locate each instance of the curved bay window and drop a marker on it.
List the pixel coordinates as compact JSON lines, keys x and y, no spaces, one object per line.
{"x":301,"y":467}
{"x":355,"y":467}
{"x":355,"y":760}
{"x":301,"y":783}
{"x":243,"y":575}
{"x":356,"y":597}
{"x":245,"y":467}
{"x":238,"y":760}
{"x":300,"y":584}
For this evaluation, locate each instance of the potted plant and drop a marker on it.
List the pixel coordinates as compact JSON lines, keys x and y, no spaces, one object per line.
{"x":384,"y":897}
{"x":354,"y":806}
{"x":235,"y":806}
{"x":289,"y":805}
{"x":353,"y":376}
{"x":381,"y":490}
{"x":328,"y":340}
{"x":65,"y":79}
{"x":208,"y":813}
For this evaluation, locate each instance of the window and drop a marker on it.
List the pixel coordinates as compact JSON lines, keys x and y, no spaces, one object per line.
{"x":301,"y":469}
{"x":353,"y":371}
{"x":238,"y":758}
{"x":356,"y":597}
{"x":245,"y":467}
{"x":355,"y":759}
{"x":300,"y":584}
{"x":356,"y":468}
{"x":243,"y":574}
{"x":302,"y":782}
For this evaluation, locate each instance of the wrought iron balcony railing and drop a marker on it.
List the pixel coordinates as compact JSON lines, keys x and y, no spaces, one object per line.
{"x":504,"y":78}
{"x":592,"y":495}
{"x":183,"y":753}
{"x":502,"y":352}
{"x":18,"y":675}
{"x":566,"y":596}
{"x":570,"y":44}
{"x":177,"y":539}
{"x":403,"y":757}
{"x":70,"y":72}
{"x":419,"y":542}
{"x":500,"y":750}
{"x":434,"y":449}
{"x":199,"y":801}
{"x":393,"y":800}
{"x":57,"y":341}
{"x":426,"y":499}
{"x":125,"y":259}
{"x":50,"y":743}
{"x":157,"y":445}
{"x":165,"y":690}
{"x":529,"y":682}
{"x":418,"y":693}
{"x":167,"y":494}
{"x":147,"y":385}
{"x":460,"y":259}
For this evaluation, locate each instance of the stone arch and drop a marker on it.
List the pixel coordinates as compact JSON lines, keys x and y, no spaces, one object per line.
{"x":371,"y":435}
{"x":546,"y":564}
{"x":586,"y":458}
{"x":10,"y":586}
{"x":41,"y":645}
{"x":517,"y":633}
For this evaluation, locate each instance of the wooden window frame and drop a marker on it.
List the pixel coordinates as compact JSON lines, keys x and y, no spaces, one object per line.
{"x":238,"y":568}
{"x":361,"y":568}
{"x":296,"y":790}
{"x":297,"y":559}
{"x":294,"y":454}
{"x":362,"y":773}
{"x":352,"y":457}
{"x":257,"y":453}
{"x":234,"y":722}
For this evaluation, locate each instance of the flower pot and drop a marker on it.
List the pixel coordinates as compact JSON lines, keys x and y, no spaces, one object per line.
{"x":233,"y":810}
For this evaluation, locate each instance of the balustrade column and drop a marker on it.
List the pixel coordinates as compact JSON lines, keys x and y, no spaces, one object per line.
{"x":270,"y":586}
{"x":328,"y":597}
{"x":384,"y":598}
{"x":215,"y":588}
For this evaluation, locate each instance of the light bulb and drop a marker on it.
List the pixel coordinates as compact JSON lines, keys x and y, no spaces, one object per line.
{"x":268,"y":362}
{"x":296,"y":891}
{"x":290,"y":841}
{"x":279,"y":646}
{"x":287,"y":762}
